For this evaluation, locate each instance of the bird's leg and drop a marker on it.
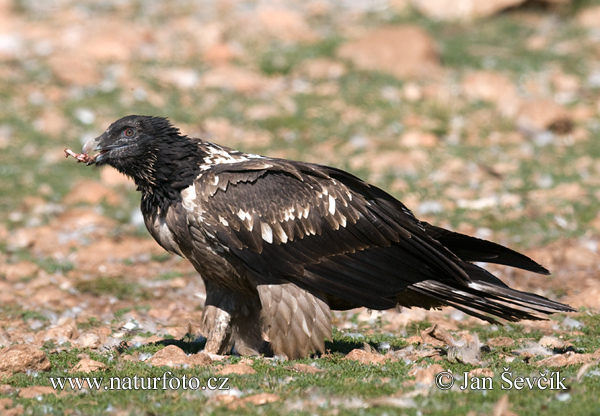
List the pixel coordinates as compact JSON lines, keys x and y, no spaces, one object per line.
{"x":216,"y":326}
{"x":248,"y":329}
{"x":216,"y":320}
{"x":232,"y":318}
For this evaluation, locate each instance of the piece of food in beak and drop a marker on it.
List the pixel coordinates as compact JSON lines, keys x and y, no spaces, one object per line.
{"x":81,"y":157}
{"x":84,"y":156}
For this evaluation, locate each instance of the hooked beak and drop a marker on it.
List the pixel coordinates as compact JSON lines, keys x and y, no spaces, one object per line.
{"x":91,"y":146}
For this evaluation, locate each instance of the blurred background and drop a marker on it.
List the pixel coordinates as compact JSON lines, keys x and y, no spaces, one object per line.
{"x":472,"y":114}
{"x":480,"y":116}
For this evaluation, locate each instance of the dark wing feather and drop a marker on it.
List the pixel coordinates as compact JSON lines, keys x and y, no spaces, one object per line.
{"x":326,"y":230}
{"x":295,"y":222}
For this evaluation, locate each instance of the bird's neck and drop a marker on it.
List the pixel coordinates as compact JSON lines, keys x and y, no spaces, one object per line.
{"x":168,"y":170}
{"x":161,"y":197}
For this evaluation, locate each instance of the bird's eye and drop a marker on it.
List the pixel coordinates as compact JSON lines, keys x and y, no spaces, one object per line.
{"x":128,"y":132}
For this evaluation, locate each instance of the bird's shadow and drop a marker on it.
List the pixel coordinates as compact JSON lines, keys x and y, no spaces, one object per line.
{"x":193,"y":345}
{"x":189,"y":343}
{"x":343,"y":346}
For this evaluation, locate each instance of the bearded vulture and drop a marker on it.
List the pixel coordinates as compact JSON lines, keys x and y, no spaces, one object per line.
{"x":280,"y":243}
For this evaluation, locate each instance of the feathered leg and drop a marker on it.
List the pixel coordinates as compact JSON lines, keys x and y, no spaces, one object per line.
{"x":296,"y":321}
{"x":248,"y":331}
{"x":216,"y":322}
{"x":232,"y":319}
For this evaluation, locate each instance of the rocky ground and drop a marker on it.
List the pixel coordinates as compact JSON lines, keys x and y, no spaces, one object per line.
{"x":481,"y":117}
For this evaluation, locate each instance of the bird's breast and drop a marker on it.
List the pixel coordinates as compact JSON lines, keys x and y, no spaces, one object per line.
{"x":159,"y":229}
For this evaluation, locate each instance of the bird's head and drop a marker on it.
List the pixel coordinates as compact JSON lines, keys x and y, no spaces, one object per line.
{"x":130,"y":137}
{"x":132,"y":145}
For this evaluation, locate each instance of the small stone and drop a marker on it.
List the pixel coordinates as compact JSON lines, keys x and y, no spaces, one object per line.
{"x":200,"y":359}
{"x":22,"y":357}
{"x":563,"y":360}
{"x":365,"y":357}
{"x":65,"y":330}
{"x":305,"y":368}
{"x":261,"y":398}
{"x":500,"y":342}
{"x":552,"y":342}
{"x":426,"y":375}
{"x":35,"y":391}
{"x":415,"y":339}
{"x":170,"y":356}
{"x":87,"y":365}
{"x":481,"y":372}
{"x":240,"y":368}
{"x":89,"y":340}
{"x":437,"y":336}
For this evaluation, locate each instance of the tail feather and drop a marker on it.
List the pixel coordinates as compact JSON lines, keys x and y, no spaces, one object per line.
{"x":469,"y":248}
{"x":488,"y":301}
{"x":519,"y":298}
